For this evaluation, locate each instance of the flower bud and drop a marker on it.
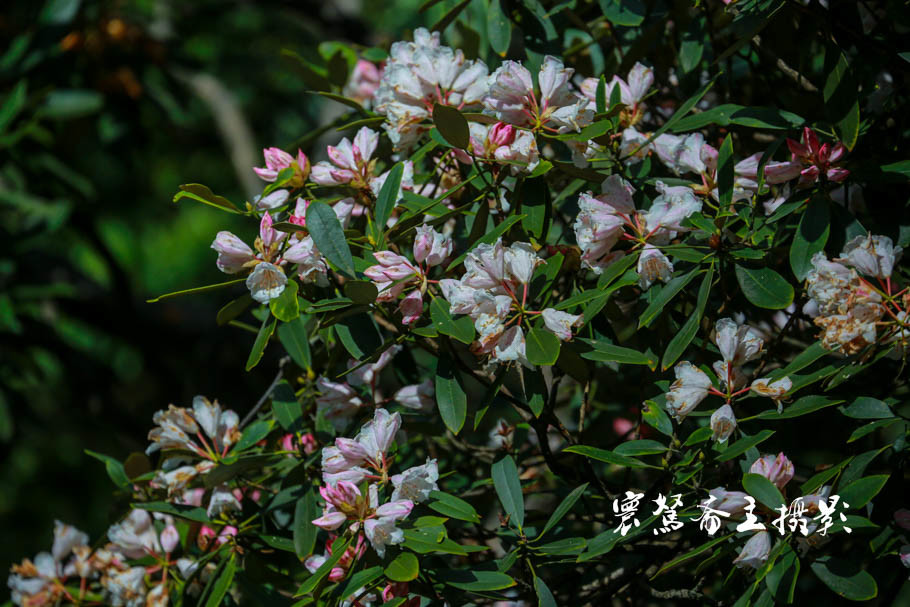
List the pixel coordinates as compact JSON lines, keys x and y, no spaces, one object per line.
{"x":501,"y":134}
{"x":733,"y":502}
{"x":411,"y":307}
{"x":170,"y":539}
{"x":723,"y":422}
{"x":755,"y":552}
{"x":778,"y":470}
{"x":653,"y":265}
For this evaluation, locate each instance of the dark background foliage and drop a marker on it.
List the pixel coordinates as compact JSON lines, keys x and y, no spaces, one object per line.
{"x":124,"y":101}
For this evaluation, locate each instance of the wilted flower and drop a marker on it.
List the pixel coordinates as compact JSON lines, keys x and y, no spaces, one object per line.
{"x":176,"y":426}
{"x":773,"y":389}
{"x":561,"y":323}
{"x":363,"y":82}
{"x":871,"y":255}
{"x":738,"y":344}
{"x":777,"y":469}
{"x":689,"y":389}
{"x":652,"y":266}
{"x":723,"y":422}
{"x":125,"y":588}
{"x":755,"y":552}
{"x":135,"y":536}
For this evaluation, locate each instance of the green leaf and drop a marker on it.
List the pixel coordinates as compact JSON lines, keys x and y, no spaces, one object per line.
{"x":305,"y":512}
{"x":623,"y":12}
{"x":475,"y":581}
{"x":743,"y":445}
{"x":67,"y":104}
{"x":328,"y":236}
{"x":404,"y":568}
{"x":362,"y":292}
{"x":450,"y":396}
{"x":293,"y":336}
{"x":285,"y":307}
{"x":338,"y":549}
{"x":662,"y":299}
{"x":640,"y":447}
{"x":866,"y":407}
{"x":508,"y":488}
{"x":803,"y":406}
{"x":684,"y":337}
{"x":223,"y":585}
{"x":461,"y":328}
{"x":254,"y":433}
{"x":191,"y":513}
{"x":655,"y":416}
{"x":606,"y":352}
{"x":725,"y":173}
{"x":499,"y":29}
{"x":388,"y":197}
{"x":564,"y":507}
{"x":842,"y":99}
{"x":691,"y":554}
{"x":541,"y":347}
{"x":692,"y":47}
{"x":357,"y":582}
{"x":858,"y":493}
{"x":810,"y":237}
{"x":233,"y":309}
{"x":452,"y":125}
{"x":113,"y":467}
{"x":845,"y":578}
{"x":870,"y":427}
{"x":763,"y":490}
{"x":262,"y":340}
{"x":453,"y":507}
{"x":450,"y":16}
{"x":544,"y":596}
{"x":201,"y":193}
{"x":764,"y":287}
{"x":195,"y":290}
{"x":609,"y":457}
{"x":14,"y":102}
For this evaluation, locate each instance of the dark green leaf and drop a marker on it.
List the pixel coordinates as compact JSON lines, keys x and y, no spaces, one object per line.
{"x":743,"y":445}
{"x":338,"y":549}
{"x":725,"y":172}
{"x":293,"y":336}
{"x":285,"y":307}
{"x":609,"y":457}
{"x":452,"y":125}
{"x":262,"y":340}
{"x":305,"y":531}
{"x":476,"y":581}
{"x":684,"y":337}
{"x":223,"y":585}
{"x":461,"y":328}
{"x":867,"y":407}
{"x":113,"y":467}
{"x":201,"y":193}
{"x":328,"y":236}
{"x":764,"y":287}
{"x":668,"y":292}
{"x":499,"y":29}
{"x":254,"y":433}
{"x":845,"y":578}
{"x":640,"y":447}
{"x":858,"y":493}
{"x":763,"y":490}
{"x":196,"y":290}
{"x":564,"y":507}
{"x":541,"y":347}
{"x":810,"y":237}
{"x":544,"y":596}
{"x":454,"y":507}
{"x":450,"y":396}
{"x":623,"y":12}
{"x":388,"y":196}
{"x":508,"y":488}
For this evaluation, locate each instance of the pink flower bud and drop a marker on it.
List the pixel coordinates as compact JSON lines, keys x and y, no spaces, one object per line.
{"x":287,"y":442}
{"x":411,"y":307}
{"x":394,"y":590}
{"x":308,"y":442}
{"x":501,"y":134}
{"x":902,"y":518}
{"x":778,"y":470}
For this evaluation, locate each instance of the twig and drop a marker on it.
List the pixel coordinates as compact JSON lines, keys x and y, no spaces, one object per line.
{"x":268,"y":392}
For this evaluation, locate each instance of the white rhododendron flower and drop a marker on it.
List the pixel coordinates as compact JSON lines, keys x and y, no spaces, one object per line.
{"x":690,"y":388}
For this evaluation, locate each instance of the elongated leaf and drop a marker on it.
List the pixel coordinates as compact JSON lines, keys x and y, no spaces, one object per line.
{"x":689,"y":555}
{"x":450,"y":16}
{"x":201,"y":193}
{"x":810,"y":237}
{"x":681,"y":340}
{"x":293,"y":336}
{"x":113,"y":467}
{"x":196,"y":290}
{"x":866,"y":407}
{"x":725,"y":172}
{"x":499,"y":29}
{"x":223,"y":585}
{"x":743,"y":445}
{"x":845,"y":578}
{"x":763,"y":490}
{"x":476,"y":581}
{"x":450,"y":396}
{"x":640,"y":447}
{"x":388,"y":195}
{"x":604,"y":352}
{"x":328,"y":236}
{"x":287,"y":409}
{"x":254,"y":433}
{"x":541,"y":347}
{"x":544,"y":596}
{"x":262,"y":340}
{"x":564,"y":507}
{"x":764,"y":287}
{"x":667,"y":293}
{"x":623,"y":12}
{"x":858,"y":493}
{"x":607,"y":456}
{"x":233,"y":309}
{"x":454,"y":507}
{"x":508,"y":488}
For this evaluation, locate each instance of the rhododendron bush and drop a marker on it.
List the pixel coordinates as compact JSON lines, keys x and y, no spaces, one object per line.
{"x":543,"y":330}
